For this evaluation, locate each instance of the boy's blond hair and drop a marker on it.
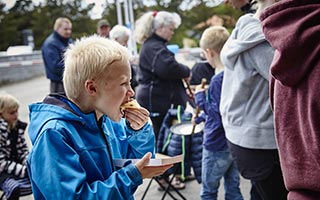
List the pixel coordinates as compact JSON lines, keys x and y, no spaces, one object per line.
{"x":7,"y":101}
{"x":214,"y":38}
{"x":89,"y":58}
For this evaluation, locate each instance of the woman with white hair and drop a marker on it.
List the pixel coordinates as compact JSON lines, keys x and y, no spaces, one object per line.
{"x":120,"y":34}
{"x":159,"y":75}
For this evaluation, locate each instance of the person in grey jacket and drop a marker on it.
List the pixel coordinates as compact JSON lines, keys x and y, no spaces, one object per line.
{"x":245,"y":108}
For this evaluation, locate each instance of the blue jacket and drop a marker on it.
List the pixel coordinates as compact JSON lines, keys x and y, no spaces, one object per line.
{"x":72,"y":156}
{"x":214,"y":138}
{"x":52,"y":54}
{"x":160,"y":77}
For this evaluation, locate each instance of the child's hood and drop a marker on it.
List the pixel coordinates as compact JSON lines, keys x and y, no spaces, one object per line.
{"x":246,"y":35}
{"x":297,"y":47}
{"x":52,"y":108}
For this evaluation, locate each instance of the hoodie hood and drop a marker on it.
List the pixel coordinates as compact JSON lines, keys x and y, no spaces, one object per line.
{"x":245,"y":36}
{"x":298,"y":53}
{"x":56,"y":107}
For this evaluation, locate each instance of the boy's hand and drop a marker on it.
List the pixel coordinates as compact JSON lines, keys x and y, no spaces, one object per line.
{"x":137,"y":117}
{"x":150,"y":171}
{"x":199,"y":88}
{"x":198,"y":119}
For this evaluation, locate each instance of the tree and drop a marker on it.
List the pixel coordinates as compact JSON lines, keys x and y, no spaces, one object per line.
{"x":40,"y":18}
{"x":14,"y":21}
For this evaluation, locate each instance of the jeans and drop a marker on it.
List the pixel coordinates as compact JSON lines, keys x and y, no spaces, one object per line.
{"x":216,"y":165}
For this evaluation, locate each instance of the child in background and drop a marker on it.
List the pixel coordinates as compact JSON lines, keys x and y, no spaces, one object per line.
{"x":14,"y":180}
{"x":217,"y":161}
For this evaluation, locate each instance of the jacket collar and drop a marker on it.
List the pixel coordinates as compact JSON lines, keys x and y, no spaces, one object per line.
{"x":59,"y":37}
{"x":157,"y":37}
{"x":88,"y":119}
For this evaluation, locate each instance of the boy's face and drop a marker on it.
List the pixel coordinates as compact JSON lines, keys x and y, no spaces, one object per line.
{"x":10,"y":115}
{"x":114,"y":90}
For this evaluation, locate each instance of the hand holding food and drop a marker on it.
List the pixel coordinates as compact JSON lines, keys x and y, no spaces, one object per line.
{"x":135,"y":114}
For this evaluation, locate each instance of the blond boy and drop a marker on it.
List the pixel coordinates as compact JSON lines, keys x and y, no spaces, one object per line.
{"x":217,"y":161}
{"x":73,"y":149}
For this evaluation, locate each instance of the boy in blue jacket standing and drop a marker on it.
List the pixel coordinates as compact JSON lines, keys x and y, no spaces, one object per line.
{"x":217,"y":161}
{"x":73,"y":147}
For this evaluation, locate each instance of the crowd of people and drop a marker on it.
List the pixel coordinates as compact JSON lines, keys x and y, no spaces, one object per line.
{"x":259,"y":111}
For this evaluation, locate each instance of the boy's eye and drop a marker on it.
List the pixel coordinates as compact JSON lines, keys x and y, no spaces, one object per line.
{"x":126,"y":83}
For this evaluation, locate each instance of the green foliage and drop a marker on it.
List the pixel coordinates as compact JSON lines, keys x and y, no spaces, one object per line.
{"x":40,"y":18}
{"x":192,"y":17}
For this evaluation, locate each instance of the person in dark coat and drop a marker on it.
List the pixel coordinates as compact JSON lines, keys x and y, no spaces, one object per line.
{"x":160,"y":76}
{"x":201,"y":70}
{"x":52,"y":53}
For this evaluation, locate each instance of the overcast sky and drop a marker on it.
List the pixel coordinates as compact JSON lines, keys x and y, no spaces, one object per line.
{"x":96,"y":11}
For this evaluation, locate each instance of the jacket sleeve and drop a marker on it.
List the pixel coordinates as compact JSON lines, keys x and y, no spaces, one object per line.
{"x":126,"y":142}
{"x":56,"y":172}
{"x":52,"y":56}
{"x":166,"y":67}
{"x":8,"y":165}
{"x":141,"y":141}
{"x":22,"y":147}
{"x":210,"y":103}
{"x":262,"y":63}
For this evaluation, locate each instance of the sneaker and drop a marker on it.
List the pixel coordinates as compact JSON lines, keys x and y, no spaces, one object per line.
{"x":186,"y":178}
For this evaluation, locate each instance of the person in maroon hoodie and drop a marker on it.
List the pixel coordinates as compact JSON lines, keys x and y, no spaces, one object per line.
{"x":293,"y":28}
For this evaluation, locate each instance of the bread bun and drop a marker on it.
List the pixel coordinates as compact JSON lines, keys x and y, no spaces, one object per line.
{"x":131,"y":104}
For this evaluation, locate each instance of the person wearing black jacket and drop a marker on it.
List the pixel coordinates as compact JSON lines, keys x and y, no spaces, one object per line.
{"x":160,"y":76}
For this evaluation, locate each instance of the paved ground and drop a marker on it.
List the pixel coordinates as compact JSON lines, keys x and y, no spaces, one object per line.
{"x":36,"y":89}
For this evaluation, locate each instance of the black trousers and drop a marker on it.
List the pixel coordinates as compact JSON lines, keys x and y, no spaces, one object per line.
{"x":56,"y":87}
{"x":263,"y":167}
{"x":273,"y":186}
{"x":156,"y":124}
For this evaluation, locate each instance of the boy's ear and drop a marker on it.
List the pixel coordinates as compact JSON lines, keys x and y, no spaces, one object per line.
{"x":90,"y":86}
